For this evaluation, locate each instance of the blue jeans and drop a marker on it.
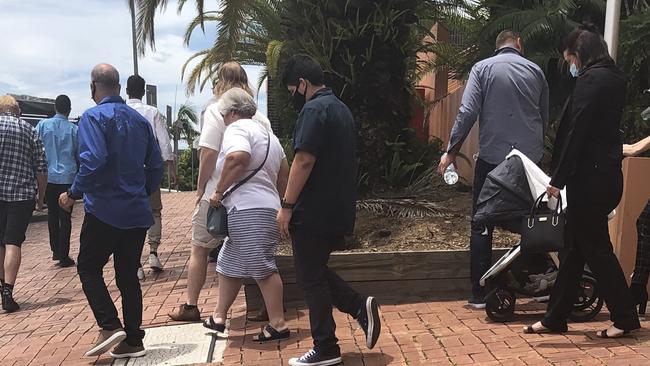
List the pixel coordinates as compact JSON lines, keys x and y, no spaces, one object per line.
{"x":480,"y":242}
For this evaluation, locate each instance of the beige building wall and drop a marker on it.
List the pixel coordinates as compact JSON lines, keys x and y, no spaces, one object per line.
{"x":622,"y":228}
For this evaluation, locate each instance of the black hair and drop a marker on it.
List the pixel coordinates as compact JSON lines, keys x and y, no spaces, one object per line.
{"x":63,"y":105}
{"x":302,"y":66}
{"x":505,"y":37}
{"x":587,"y":44}
{"x":135,"y":86}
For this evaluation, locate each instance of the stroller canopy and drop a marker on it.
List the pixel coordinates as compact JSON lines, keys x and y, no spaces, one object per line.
{"x":506,"y":196}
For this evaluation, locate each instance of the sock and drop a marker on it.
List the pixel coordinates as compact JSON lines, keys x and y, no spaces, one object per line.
{"x":7,"y":289}
{"x":2,"y":283}
{"x":154,"y":253}
{"x":190,"y":306}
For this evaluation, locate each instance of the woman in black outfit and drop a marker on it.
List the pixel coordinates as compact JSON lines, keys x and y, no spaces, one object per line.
{"x":587,"y":160}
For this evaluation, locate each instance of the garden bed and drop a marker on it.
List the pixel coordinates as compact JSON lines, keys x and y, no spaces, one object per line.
{"x":403,"y":250}
{"x":444,"y":225}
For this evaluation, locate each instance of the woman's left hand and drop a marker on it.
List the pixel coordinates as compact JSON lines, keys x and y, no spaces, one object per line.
{"x":553,"y":191}
{"x":215,"y":199}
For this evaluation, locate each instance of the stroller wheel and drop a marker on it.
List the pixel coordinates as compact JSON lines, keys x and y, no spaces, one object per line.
{"x":588,"y":304}
{"x":500,"y":305}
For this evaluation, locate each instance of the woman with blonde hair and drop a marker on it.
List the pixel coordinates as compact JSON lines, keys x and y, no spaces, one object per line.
{"x":230,"y":75}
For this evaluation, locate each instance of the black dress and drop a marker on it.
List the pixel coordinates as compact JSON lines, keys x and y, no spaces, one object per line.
{"x":587,"y":160}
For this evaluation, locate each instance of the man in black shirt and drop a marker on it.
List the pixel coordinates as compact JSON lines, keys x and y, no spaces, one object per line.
{"x":318,"y":208}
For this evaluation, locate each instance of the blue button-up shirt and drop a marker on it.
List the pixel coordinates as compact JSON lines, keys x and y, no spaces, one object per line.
{"x":508,"y":94}
{"x":60,"y":139}
{"x":119,"y":164}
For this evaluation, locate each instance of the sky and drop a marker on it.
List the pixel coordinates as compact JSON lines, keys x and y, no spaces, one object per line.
{"x":50,"y":46}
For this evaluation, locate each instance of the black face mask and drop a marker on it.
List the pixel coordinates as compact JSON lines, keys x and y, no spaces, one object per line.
{"x":298,"y":100}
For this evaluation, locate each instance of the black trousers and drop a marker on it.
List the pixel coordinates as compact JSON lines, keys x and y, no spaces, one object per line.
{"x":588,"y":235}
{"x":642,"y":265}
{"x":322,"y":288}
{"x":58,"y":221}
{"x":480,"y":241}
{"x":97,"y":243}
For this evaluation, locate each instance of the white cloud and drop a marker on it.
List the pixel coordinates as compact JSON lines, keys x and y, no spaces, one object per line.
{"x":54,"y":45}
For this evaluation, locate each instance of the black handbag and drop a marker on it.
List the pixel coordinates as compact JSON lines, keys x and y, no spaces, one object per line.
{"x":543,"y":232}
{"x":217,"y":220}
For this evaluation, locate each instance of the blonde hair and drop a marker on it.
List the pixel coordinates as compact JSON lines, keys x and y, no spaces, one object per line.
{"x":231,"y":75}
{"x":239,"y":101}
{"x":8,"y":104}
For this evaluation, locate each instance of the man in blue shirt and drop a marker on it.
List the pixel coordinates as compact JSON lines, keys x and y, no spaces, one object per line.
{"x":59,"y":136}
{"x":119,"y":166}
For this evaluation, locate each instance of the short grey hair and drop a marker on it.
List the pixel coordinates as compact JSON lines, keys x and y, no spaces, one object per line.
{"x":239,"y":101}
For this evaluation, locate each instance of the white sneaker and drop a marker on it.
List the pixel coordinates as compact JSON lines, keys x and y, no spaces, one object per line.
{"x":154,"y":263}
{"x":141,"y":274}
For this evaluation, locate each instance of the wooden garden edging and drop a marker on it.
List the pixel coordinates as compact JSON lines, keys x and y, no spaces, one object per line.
{"x":392,"y":277}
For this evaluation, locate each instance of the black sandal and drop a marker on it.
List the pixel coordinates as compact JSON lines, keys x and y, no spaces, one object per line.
{"x":212,"y":325}
{"x":270,"y":334}
{"x":603,"y":334}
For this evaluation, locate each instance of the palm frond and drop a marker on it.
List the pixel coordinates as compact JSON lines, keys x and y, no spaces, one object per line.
{"x":145,"y":26}
{"x":404,"y":208}
{"x":199,"y":20}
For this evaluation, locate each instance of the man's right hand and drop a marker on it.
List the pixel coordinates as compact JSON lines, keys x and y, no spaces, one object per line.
{"x":446,"y":160}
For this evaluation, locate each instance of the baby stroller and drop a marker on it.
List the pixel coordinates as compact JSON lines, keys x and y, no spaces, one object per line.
{"x":507,"y":196}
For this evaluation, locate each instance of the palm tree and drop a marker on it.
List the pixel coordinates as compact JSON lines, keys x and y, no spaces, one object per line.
{"x":248,"y":31}
{"x":186,"y":124}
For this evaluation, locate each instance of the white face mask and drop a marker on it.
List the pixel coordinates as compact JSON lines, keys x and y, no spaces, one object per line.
{"x":573,"y":70}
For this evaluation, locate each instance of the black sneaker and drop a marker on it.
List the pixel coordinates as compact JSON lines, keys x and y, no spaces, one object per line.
{"x":65,"y":263}
{"x":8,"y":303}
{"x":125,"y":350}
{"x":313,"y":358}
{"x":370,"y":322}
{"x":476,"y":302}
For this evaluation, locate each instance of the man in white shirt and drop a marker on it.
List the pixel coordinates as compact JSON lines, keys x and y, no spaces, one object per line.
{"x":135,"y":89}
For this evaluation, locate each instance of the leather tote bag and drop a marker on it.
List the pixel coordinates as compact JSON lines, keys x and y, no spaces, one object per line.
{"x":543,"y":232}
{"x":217,"y":221}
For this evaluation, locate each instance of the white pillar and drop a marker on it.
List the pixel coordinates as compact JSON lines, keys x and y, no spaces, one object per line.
{"x":612,"y":19}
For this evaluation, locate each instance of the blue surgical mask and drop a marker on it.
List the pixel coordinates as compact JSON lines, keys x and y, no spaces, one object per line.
{"x":573,"y":69}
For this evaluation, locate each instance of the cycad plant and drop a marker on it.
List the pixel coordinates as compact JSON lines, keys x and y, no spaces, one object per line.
{"x":368,"y":50}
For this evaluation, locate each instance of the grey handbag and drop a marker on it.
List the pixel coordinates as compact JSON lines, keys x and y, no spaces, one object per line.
{"x":217,"y":221}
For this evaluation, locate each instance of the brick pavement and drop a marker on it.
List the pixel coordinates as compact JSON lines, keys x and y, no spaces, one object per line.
{"x":56,"y":327}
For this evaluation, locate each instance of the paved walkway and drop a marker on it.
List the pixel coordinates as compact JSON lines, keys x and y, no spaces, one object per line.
{"x":56,"y":326}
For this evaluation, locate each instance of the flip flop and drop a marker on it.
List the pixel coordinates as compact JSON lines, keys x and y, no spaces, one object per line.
{"x":530,"y":330}
{"x":212,"y":325}
{"x":271,"y":334}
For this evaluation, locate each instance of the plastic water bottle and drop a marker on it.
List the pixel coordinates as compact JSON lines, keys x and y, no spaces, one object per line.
{"x":646,"y":114}
{"x":451,"y":176}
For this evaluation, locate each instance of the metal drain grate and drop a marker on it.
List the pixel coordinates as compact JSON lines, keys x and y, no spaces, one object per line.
{"x":178,"y":345}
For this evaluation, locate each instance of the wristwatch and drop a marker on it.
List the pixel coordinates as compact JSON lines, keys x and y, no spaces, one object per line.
{"x":286,"y":204}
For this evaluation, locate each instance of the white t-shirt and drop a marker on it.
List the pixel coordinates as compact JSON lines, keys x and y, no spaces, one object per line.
{"x":214,"y":127}
{"x":261,"y":190}
{"x":212,"y":136}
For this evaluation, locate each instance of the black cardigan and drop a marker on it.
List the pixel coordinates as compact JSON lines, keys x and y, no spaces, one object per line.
{"x":589,"y":135}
